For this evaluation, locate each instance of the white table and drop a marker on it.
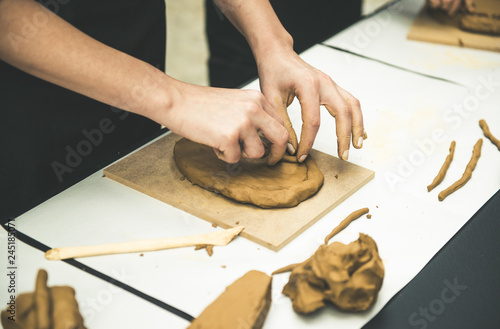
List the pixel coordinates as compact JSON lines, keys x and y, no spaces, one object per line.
{"x":410,"y":120}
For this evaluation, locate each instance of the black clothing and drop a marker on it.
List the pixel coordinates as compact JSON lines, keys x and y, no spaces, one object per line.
{"x":50,"y":137}
{"x":231,"y":62}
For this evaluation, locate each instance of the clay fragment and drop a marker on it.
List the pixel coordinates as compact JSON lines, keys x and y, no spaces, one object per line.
{"x":369,"y":216}
{"x":442,"y":172}
{"x":208,"y":247}
{"x":476,"y":153}
{"x":355,"y":215}
{"x":488,"y":134}
{"x":349,"y":276}
{"x":214,"y":225}
{"x":285,"y":269}
{"x":45,"y":308}
{"x":244,"y":304}
{"x":283,"y":185}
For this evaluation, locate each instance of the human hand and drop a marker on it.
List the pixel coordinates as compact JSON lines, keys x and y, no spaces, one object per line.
{"x":228,"y":120}
{"x":450,"y":6}
{"x":285,"y":76}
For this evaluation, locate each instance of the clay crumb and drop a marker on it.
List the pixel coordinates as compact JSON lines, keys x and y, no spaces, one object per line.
{"x":183,"y":178}
{"x":237,"y":222}
{"x":369,"y":216}
{"x":208,"y":247}
{"x":210,"y":250}
{"x":376,"y":206}
{"x":336,"y":176}
{"x":214,"y":225}
{"x":141,"y":255}
{"x":223,"y":266}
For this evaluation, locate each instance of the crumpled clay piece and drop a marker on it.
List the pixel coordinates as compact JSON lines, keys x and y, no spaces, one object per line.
{"x":45,"y":308}
{"x":283,"y":185}
{"x":349,"y":276}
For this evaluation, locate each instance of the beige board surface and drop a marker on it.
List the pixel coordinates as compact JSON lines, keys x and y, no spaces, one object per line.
{"x":152,"y":171}
{"x":439,"y":28}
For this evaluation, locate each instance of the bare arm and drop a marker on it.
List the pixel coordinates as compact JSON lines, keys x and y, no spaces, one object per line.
{"x":284,"y":75}
{"x":59,"y":53}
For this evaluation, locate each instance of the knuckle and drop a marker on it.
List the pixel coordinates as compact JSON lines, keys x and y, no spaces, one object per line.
{"x":355,"y":102}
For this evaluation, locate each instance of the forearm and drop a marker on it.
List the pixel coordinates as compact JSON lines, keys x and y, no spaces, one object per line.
{"x":257,"y":21}
{"x":40,"y":43}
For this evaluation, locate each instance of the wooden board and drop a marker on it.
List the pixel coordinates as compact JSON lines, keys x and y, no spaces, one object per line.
{"x":152,"y":171}
{"x":439,"y":28}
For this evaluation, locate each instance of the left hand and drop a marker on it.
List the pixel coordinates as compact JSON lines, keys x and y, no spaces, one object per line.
{"x":285,"y":76}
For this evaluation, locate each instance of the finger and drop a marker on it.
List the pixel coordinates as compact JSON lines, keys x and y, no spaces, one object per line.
{"x":309,"y":103}
{"x":275,"y":132}
{"x":251,"y":145}
{"x":434,"y":3}
{"x":341,"y":110}
{"x":454,"y":7}
{"x":269,"y":107}
{"x":281,"y":104}
{"x":446,"y":5}
{"x":357,"y":118}
{"x":230,"y":153}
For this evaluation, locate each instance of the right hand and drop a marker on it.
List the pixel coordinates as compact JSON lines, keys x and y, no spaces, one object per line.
{"x":228,"y":120}
{"x":450,"y":6}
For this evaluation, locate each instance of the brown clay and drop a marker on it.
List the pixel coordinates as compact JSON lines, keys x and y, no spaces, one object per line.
{"x":208,"y":247}
{"x":42,"y":301}
{"x":349,"y":276}
{"x":442,"y":172}
{"x":285,"y":269}
{"x":45,"y":308}
{"x":476,"y":153}
{"x":285,"y":184}
{"x":355,"y":215}
{"x":244,"y":304}
{"x":481,"y":16}
{"x":488,"y":134}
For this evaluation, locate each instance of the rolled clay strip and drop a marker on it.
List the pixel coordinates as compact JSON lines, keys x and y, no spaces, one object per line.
{"x":488,"y":134}
{"x":476,"y":153}
{"x":442,"y":172}
{"x":42,"y":301}
{"x":345,"y":222}
{"x":287,"y":268}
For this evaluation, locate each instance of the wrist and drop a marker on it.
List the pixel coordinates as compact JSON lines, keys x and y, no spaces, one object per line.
{"x":274,"y":45}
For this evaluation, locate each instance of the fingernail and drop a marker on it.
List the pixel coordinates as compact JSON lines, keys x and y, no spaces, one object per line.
{"x":302,"y":158}
{"x":345,"y":155}
{"x":290,"y":148}
{"x":360,"y":141}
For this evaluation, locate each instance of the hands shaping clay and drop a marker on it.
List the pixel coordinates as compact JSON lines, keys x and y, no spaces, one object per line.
{"x":244,"y":304}
{"x":350,"y":276}
{"x":46,"y":308}
{"x":285,"y":184}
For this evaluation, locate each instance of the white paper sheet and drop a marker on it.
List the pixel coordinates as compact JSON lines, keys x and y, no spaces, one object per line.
{"x":402,"y":111}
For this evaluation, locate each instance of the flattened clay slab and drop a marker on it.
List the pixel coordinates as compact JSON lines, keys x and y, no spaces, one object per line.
{"x":439,"y":28}
{"x":252,"y":181}
{"x":152,"y":171}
